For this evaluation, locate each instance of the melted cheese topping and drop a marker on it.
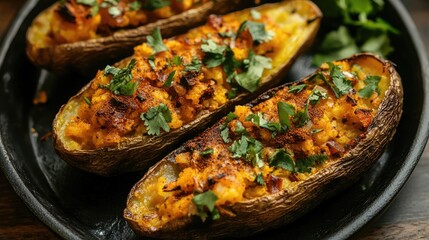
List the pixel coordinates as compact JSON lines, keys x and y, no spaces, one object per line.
{"x":110,"y":118}
{"x":339,"y":122}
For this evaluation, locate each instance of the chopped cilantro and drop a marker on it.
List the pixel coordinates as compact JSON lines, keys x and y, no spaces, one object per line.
{"x":232,"y":94}
{"x":371,"y":86}
{"x":87,"y":101}
{"x":249,"y":149}
{"x":157,"y":118}
{"x":285,"y":110}
{"x":134,"y":6}
{"x":155,"y":41}
{"x":151,"y":60}
{"x":239,"y":128}
{"x":167,"y":83}
{"x":214,"y":54}
{"x":121,"y":83}
{"x":230,"y":64}
{"x":255,"y":14}
{"x":259,"y":120}
{"x":256,"y":30}
{"x":95,"y":8}
{"x":342,"y":85}
{"x":229,"y":34}
{"x":256,"y":64}
{"x":114,"y":11}
{"x":224,"y":127}
{"x":206,"y":201}
{"x":207,"y":152}
{"x":260,"y":179}
{"x":316,"y":95}
{"x":304,"y":165}
{"x":230,"y":116}
{"x":314,"y":131}
{"x":194,"y":65}
{"x":302,"y":117}
{"x":156,"y":4}
{"x":283,"y":159}
{"x":176,"y":61}
{"x":297,"y":88}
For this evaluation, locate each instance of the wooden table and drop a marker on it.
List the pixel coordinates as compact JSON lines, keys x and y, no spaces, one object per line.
{"x":406,"y":218}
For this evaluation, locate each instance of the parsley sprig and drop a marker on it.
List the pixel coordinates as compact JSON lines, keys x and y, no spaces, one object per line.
{"x":121,"y":83}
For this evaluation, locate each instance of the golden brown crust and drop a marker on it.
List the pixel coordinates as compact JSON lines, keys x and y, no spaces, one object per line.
{"x":274,"y":210}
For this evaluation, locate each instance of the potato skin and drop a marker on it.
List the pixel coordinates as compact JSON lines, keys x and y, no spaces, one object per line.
{"x":278,"y":209}
{"x":139,"y":153}
{"x":86,"y":56}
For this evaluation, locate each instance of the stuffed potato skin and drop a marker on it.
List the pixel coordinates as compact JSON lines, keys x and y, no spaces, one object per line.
{"x":271,"y":209}
{"x":125,"y":155}
{"x":85,"y":56}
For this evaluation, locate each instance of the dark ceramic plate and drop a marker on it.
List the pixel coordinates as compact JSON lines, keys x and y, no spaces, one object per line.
{"x":76,"y":204}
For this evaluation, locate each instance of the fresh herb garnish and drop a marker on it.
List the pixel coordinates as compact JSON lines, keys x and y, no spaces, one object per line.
{"x":342,"y":85}
{"x":134,"y":6}
{"x":355,"y":28}
{"x":156,"y":4}
{"x":283,"y":159}
{"x":314,"y":131}
{"x":151,"y":60}
{"x":194,"y":65}
{"x":121,"y":83}
{"x":167,"y":83}
{"x":304,"y":165}
{"x":176,"y":61}
{"x":214,"y":54}
{"x":224,"y":127}
{"x":259,"y":120}
{"x":93,"y":3}
{"x":249,"y":149}
{"x":256,"y":30}
{"x":206,"y":201}
{"x":255,"y":65}
{"x":302,"y":117}
{"x":255,"y":14}
{"x":239,"y":128}
{"x":87,"y":101}
{"x":155,"y":41}
{"x":297,"y":88}
{"x":157,"y":118}
{"x":371,"y":86}
{"x":260,"y":179}
{"x":285,"y":111}
{"x":114,"y":11}
{"x":207,"y":152}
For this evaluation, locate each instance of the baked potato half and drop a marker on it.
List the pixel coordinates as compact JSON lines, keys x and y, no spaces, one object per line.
{"x":84,"y":35}
{"x":272,"y":160}
{"x":132,"y":114}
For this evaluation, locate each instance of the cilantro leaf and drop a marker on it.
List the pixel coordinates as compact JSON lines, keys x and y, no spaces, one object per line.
{"x":176,"y":61}
{"x":151,"y":61}
{"x":206,"y":201}
{"x":95,"y":7}
{"x":134,"y":6}
{"x":255,"y":14}
{"x":121,"y":83}
{"x":167,"y":83}
{"x":371,"y":86}
{"x":285,"y":110}
{"x":259,"y":120}
{"x":301,"y":117}
{"x":297,"y":88}
{"x":214,"y":54}
{"x":194,"y":65}
{"x":250,"y":79}
{"x":239,"y":128}
{"x":224,"y":127}
{"x":260,"y":179}
{"x":249,"y":149}
{"x":114,"y":11}
{"x":281,"y":158}
{"x":207,"y":152}
{"x":316,"y":95}
{"x":156,"y":4}
{"x":155,"y":41}
{"x":157,"y":118}
{"x":304,"y":165}
{"x":256,"y":30}
{"x":230,"y":116}
{"x":342,"y":85}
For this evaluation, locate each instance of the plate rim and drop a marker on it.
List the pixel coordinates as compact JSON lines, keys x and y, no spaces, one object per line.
{"x":380,"y":203}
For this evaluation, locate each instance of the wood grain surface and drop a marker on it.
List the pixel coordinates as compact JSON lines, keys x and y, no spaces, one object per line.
{"x":406,"y":218}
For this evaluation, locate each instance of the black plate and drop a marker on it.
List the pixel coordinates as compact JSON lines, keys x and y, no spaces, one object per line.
{"x":76,"y":204}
